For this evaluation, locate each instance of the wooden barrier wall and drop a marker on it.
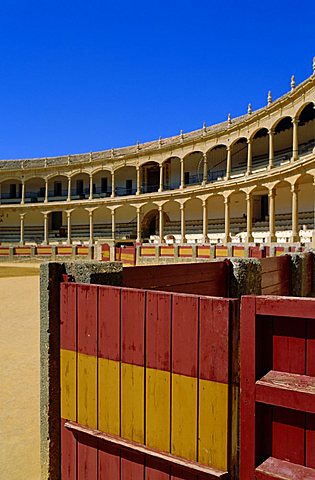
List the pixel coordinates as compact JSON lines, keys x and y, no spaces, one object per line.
{"x":276,"y":275}
{"x":148,"y":384}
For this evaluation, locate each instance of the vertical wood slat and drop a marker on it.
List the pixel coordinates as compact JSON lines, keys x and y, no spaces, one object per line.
{"x":310,"y":370}
{"x":108,"y":462}
{"x":288,"y":431}
{"x":132,"y":466}
{"x":289,"y":345}
{"x":87,"y":468}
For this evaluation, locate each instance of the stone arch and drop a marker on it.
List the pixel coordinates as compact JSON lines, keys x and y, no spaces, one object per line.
{"x":34,"y":189}
{"x":283,"y":140}
{"x":171,"y":173}
{"x":239,"y":150}
{"x":193,"y":168}
{"x":306,"y":129}
{"x":150,"y":176}
{"x":216,"y":162}
{"x":260,"y":149}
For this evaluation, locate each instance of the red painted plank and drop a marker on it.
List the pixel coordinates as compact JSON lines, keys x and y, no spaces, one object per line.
{"x":68,"y":316}
{"x":87,"y":319}
{"x":275,"y":469}
{"x":158,"y":330}
{"x":179,"y":473}
{"x":185,"y":335}
{"x":310,"y":347}
{"x":109,"y":322}
{"x":132,"y":326}
{"x":132,"y":466}
{"x":285,"y":306}
{"x":288,"y":435}
{"x":310,"y":440}
{"x":157,"y":469}
{"x":247,"y":383}
{"x":108,"y":461}
{"x":87,"y":457}
{"x":289,"y":345}
{"x":214,"y":339}
{"x":68,"y":454}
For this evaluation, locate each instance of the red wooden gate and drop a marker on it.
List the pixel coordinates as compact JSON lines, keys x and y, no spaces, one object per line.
{"x":148,"y":384}
{"x":277,"y":388}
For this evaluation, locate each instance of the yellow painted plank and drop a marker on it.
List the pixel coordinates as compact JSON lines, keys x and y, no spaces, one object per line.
{"x":87,"y":390}
{"x":108,"y":396}
{"x":132,"y":402}
{"x":184,"y":416}
{"x":158,"y":409}
{"x":68,"y":375}
{"x":213,"y":424}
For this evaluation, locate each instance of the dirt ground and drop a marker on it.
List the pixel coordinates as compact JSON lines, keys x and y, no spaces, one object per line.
{"x":19,"y":373}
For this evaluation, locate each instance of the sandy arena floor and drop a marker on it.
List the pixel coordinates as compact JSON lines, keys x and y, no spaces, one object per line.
{"x":19,"y":373}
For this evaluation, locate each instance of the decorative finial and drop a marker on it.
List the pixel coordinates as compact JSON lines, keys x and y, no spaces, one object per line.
{"x":112,"y":152}
{"x":160,"y":142}
{"x":181,"y":134}
{"x":229,"y":119}
{"x":46,"y":162}
{"x":269,"y":98}
{"x":204,"y":126}
{"x":249,"y":109}
{"x":313,"y":65}
{"x":292,"y":83}
{"x":68,"y":159}
{"x":90,"y":156}
{"x":138,"y":145}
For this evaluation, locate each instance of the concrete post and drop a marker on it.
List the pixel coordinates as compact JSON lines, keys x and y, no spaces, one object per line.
{"x":228,"y":162}
{"x":161,"y":224}
{"x":182,"y":223}
{"x":22,"y":215}
{"x":182,"y":177}
{"x":227,"y":236}
{"x":295,"y":148}
{"x":161,"y":178}
{"x":249,"y":157}
{"x":272,"y":219}
{"x":295,"y":215}
{"x":205,"y":169}
{"x":271,"y":149}
{"x":249,"y":202}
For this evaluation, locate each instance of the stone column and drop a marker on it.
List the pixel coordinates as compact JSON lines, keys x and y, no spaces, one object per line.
{"x":113,"y":224}
{"x":161,"y":178}
{"x":22,"y":215}
{"x":91,"y":188}
{"x":69,"y":190}
{"x":138,"y":191}
{"x":113,"y":184}
{"x":182,"y":223}
{"x":161,"y":224}
{"x":249,"y":156}
{"x":0,"y":193}
{"x":182,"y":176}
{"x":205,"y":169}
{"x":205,"y":238}
{"x":228,"y":162}
{"x":249,"y":202}
{"x":46,"y":191}
{"x":271,"y":149}
{"x":69,"y":227}
{"x":91,"y":239}
{"x":272,"y":215}
{"x":295,"y":214}
{"x":23,"y":193}
{"x":227,"y":236}
{"x":138,"y":224}
{"x":295,"y":148}
{"x":46,"y":242}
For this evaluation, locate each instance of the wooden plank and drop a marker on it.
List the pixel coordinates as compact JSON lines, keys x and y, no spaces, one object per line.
{"x":132,"y":326}
{"x":109,"y":396}
{"x":68,"y":384}
{"x":132,"y":402}
{"x":157,"y":469}
{"x":109,"y":322}
{"x":184,"y":416}
{"x":108,"y":461}
{"x":87,"y":457}
{"x":310,"y":441}
{"x":285,"y":306}
{"x":179,"y":473}
{"x":68,"y":312}
{"x":158,"y":409}
{"x":289,"y":345}
{"x":87,"y":318}
{"x":158,"y":330}
{"x":132,"y":466}
{"x":87,"y":390}
{"x":276,"y":469}
{"x":288,"y":435}
{"x":68,"y":453}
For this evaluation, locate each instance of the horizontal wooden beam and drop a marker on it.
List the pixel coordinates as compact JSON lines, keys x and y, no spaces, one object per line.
{"x":275,"y":469}
{"x":134,"y":446}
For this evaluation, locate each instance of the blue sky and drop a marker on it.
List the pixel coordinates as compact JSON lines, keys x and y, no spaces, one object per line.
{"x":77,"y":76}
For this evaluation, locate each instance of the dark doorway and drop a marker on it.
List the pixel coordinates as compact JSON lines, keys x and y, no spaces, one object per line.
{"x":80,"y":187}
{"x":128,"y":187}
{"x":264,"y":207}
{"x":57,"y":189}
{"x":13,"y":190}
{"x":56,"y":220}
{"x":153,"y":179}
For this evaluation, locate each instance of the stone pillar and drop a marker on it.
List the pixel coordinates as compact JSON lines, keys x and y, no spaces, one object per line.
{"x":46,"y":241}
{"x":138,"y":224}
{"x":205,"y":238}
{"x":227,"y":236}
{"x":113,"y":184}
{"x":272,"y":216}
{"x":205,"y":169}
{"x":23,"y":193}
{"x":249,"y":203}
{"x":271,"y":149}
{"x":138,"y":191}
{"x":113,"y":223}
{"x":182,"y":223}
{"x":0,"y":193}
{"x":249,"y":156}
{"x":69,"y":190}
{"x":182,"y":176}
{"x":295,"y":148}
{"x":91,"y":188}
{"x":161,"y":178}
{"x":22,"y":215}
{"x":46,"y":191}
{"x":161,"y":224}
{"x":295,"y":214}
{"x":91,"y":239}
{"x":228,"y":162}
{"x":68,"y":228}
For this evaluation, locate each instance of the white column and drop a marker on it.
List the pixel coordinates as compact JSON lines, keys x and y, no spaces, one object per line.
{"x":182,"y":176}
{"x":69,"y":190}
{"x":113,"y":224}
{"x":227,"y":236}
{"x":182,"y":223}
{"x":91,"y":188}
{"x":91,"y":239}
{"x":249,"y":202}
{"x":68,"y":228}
{"x":161,"y":178}
{"x":0,"y":192}
{"x":205,"y":238}
{"x":228,"y":162}
{"x":46,"y":191}
{"x":161,"y":224}
{"x":205,"y":169}
{"x":138,"y":224}
{"x":113,"y":185}
{"x":23,"y":193}
{"x":272,"y":215}
{"x":22,"y":215}
{"x":138,"y":181}
{"x":295,"y":214}
{"x":45,"y":228}
{"x":295,"y":148}
{"x":271,"y":149}
{"x":249,"y":156}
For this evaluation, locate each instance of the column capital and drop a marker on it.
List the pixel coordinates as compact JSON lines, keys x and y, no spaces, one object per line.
{"x":271,"y":131}
{"x":22,"y":215}
{"x":227,"y":200}
{"x":295,"y":121}
{"x":272,"y":192}
{"x":295,"y":188}
{"x":249,"y":141}
{"x":248,"y":196}
{"x":204,"y":203}
{"x":160,"y":208}
{"x":228,"y":148}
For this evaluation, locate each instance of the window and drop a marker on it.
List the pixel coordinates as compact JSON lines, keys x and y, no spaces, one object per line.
{"x":104,"y":185}
{"x":128,"y":187}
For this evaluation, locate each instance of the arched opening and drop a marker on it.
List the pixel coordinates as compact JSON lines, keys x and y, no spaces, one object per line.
{"x":126,"y":222}
{"x":34,"y":227}
{"x":306,"y":129}
{"x":193,"y":220}
{"x":171,"y":173}
{"x":125,"y":181}
{"x":150,"y":224}
{"x":11,"y":191}
{"x":238,"y":214}
{"x":80,"y":228}
{"x":193,"y":168}
{"x":239,"y":157}
{"x":216,"y":161}
{"x":35,"y":190}
{"x":215,"y":218}
{"x":172,"y":219}
{"x":306,"y":207}
{"x":150,"y":176}
{"x":283,"y":211}
{"x":283,"y":138}
{"x":260,"y":214}
{"x":80,"y":186}
{"x":9,"y":227}
{"x":57,"y":188}
{"x":260,"y":150}
{"x":102,"y":184}
{"x":102,"y":223}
